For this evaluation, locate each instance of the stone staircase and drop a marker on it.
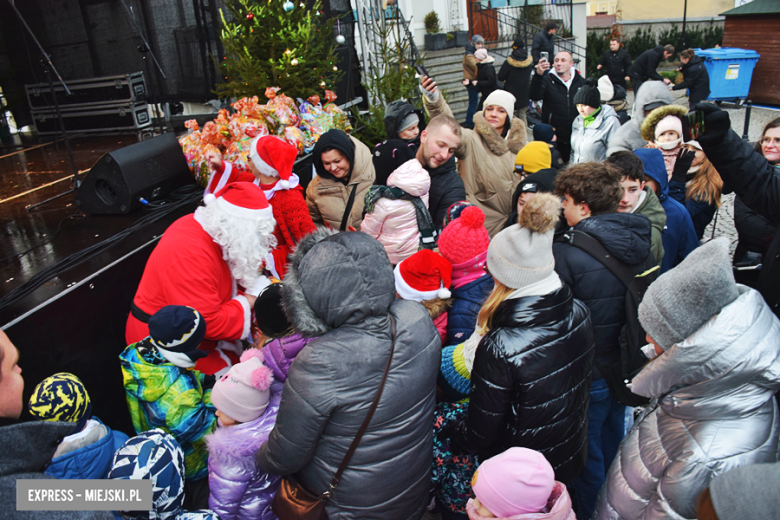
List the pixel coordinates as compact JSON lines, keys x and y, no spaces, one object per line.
{"x":446,"y":67}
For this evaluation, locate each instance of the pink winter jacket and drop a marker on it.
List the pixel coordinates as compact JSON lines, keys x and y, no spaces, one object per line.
{"x":394,"y":222}
{"x":558,"y":508}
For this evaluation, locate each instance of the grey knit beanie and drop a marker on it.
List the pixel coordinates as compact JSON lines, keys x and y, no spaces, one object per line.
{"x":408,"y":121}
{"x":522,"y":254}
{"x":680,"y":301}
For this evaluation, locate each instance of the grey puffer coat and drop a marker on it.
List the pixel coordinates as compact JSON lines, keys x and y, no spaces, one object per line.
{"x":714,"y":411}
{"x":590,"y":144}
{"x":341,"y":288}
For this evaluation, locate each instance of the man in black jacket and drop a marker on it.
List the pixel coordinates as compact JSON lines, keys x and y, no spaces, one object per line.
{"x":557,"y":91}
{"x":592,"y":194}
{"x":616,"y":62}
{"x":436,"y":153}
{"x":644,"y":66}
{"x":756,"y":183}
{"x":695,"y":77}
{"x":543,"y":41}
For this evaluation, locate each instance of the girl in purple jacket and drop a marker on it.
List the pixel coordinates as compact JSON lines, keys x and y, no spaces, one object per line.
{"x":246,"y":411}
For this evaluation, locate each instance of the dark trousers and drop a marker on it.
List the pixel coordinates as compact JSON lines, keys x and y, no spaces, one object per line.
{"x":563,"y":140}
{"x":636,"y":83}
{"x":619,"y":81}
{"x":472,"y":108}
{"x":606,"y":428}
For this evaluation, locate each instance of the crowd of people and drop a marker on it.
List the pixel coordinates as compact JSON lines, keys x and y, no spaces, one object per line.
{"x":441,"y":325}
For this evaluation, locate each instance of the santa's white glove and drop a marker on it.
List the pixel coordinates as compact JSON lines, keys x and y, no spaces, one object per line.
{"x":261,"y":283}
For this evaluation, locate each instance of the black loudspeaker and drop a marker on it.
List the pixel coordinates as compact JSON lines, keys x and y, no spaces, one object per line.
{"x":120,"y":180}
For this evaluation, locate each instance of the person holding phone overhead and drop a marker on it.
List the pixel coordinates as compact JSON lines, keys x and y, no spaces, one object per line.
{"x":486,"y":155}
{"x":557,"y":90}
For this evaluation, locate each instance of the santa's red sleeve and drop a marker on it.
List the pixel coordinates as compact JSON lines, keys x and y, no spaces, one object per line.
{"x":225,"y":174}
{"x":200,"y":282}
{"x":295,"y":213}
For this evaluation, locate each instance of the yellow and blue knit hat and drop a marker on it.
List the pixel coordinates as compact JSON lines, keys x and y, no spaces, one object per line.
{"x":61,"y":397}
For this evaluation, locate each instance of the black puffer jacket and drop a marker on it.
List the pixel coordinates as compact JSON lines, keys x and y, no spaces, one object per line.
{"x":644,"y":66}
{"x":627,"y":237}
{"x":395,"y":112}
{"x":616,"y":65}
{"x":486,"y":77}
{"x":543,"y":41}
{"x":696,"y":78}
{"x":531,"y":382}
{"x":516,"y":76}
{"x":757,"y":184}
{"x":446,"y":189}
{"x":559,"y":109}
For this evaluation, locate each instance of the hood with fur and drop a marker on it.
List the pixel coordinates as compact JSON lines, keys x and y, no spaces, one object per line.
{"x":654,"y":117}
{"x":515,"y":139}
{"x":335,"y":279}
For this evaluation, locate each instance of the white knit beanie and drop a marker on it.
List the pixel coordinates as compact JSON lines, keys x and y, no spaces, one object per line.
{"x":670,"y":122}
{"x":606,"y":89}
{"x":503,"y":99}
{"x":522,"y":254}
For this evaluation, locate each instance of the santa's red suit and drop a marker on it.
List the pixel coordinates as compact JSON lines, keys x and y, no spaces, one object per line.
{"x":186,"y":268}
{"x":293,"y":221}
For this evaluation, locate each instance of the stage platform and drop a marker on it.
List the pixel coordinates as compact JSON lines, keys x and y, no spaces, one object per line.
{"x":74,"y":322}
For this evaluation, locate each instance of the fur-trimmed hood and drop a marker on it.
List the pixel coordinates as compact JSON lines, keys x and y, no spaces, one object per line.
{"x":437,"y":306}
{"x":336,"y":279}
{"x":520,"y":64}
{"x":654,"y":117}
{"x":515,"y":139}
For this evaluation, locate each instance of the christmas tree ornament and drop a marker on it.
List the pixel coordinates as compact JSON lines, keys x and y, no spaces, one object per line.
{"x":294,"y":62}
{"x":340,"y":38}
{"x":335,"y":68}
{"x":322,"y":84}
{"x":288,"y":6}
{"x":250,"y":16}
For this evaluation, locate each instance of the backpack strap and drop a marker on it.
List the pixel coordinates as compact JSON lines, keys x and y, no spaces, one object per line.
{"x":348,"y":210}
{"x":593,"y":247}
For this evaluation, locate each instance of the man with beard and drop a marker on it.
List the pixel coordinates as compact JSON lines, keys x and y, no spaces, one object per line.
{"x":436,"y":153}
{"x":211,"y":261}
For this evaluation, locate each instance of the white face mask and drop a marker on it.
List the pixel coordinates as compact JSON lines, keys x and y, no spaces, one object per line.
{"x":649,"y":351}
{"x":671,"y":145}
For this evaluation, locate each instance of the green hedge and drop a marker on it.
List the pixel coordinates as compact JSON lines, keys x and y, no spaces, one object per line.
{"x":644,"y":39}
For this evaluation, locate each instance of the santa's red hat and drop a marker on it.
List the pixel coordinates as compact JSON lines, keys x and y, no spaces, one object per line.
{"x":423,"y":276}
{"x":241,"y":200}
{"x":273,"y":157}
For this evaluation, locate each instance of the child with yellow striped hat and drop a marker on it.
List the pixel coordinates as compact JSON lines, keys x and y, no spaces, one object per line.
{"x":88,"y":451}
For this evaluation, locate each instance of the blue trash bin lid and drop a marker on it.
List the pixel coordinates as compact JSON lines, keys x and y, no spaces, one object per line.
{"x":727,"y":53}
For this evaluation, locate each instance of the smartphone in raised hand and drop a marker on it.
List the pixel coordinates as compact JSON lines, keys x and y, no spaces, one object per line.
{"x":421,"y":71}
{"x":693,"y":125}
{"x":544,"y":56}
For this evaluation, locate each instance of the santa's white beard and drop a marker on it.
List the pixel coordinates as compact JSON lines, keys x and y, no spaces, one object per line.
{"x":245,"y":243}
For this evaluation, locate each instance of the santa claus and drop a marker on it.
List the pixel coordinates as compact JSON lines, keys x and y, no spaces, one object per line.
{"x":270,"y":165}
{"x":210,"y":260}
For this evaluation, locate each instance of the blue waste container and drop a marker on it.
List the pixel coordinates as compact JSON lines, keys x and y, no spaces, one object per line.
{"x":730,"y":72}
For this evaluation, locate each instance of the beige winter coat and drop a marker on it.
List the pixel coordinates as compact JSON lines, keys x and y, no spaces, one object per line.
{"x":327,"y":198}
{"x":469,"y":67}
{"x":486,"y":163}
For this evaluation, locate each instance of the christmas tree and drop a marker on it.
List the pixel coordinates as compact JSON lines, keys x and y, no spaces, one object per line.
{"x":276,"y":43}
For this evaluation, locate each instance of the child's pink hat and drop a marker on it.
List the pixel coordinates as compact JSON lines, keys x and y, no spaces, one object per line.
{"x":515,"y":482}
{"x":668,"y":123}
{"x":243,"y":392}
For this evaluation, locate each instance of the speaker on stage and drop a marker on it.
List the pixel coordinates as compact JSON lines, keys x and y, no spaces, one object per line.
{"x":120,"y":179}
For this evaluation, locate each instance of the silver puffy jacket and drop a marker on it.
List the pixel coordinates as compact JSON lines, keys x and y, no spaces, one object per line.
{"x":715,"y":411}
{"x":590,"y":144}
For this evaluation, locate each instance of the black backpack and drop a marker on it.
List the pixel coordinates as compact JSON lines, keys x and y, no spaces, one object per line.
{"x":632,"y":335}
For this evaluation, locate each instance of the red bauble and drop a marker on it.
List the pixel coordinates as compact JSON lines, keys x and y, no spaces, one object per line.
{"x":250,"y":16}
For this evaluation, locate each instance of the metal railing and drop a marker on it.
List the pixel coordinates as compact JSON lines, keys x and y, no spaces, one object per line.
{"x":505,"y":24}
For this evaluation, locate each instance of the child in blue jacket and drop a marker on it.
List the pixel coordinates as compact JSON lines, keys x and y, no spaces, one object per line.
{"x":88,"y":451}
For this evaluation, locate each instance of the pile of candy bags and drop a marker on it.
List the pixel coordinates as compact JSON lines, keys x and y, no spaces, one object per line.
{"x":301,"y":125}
